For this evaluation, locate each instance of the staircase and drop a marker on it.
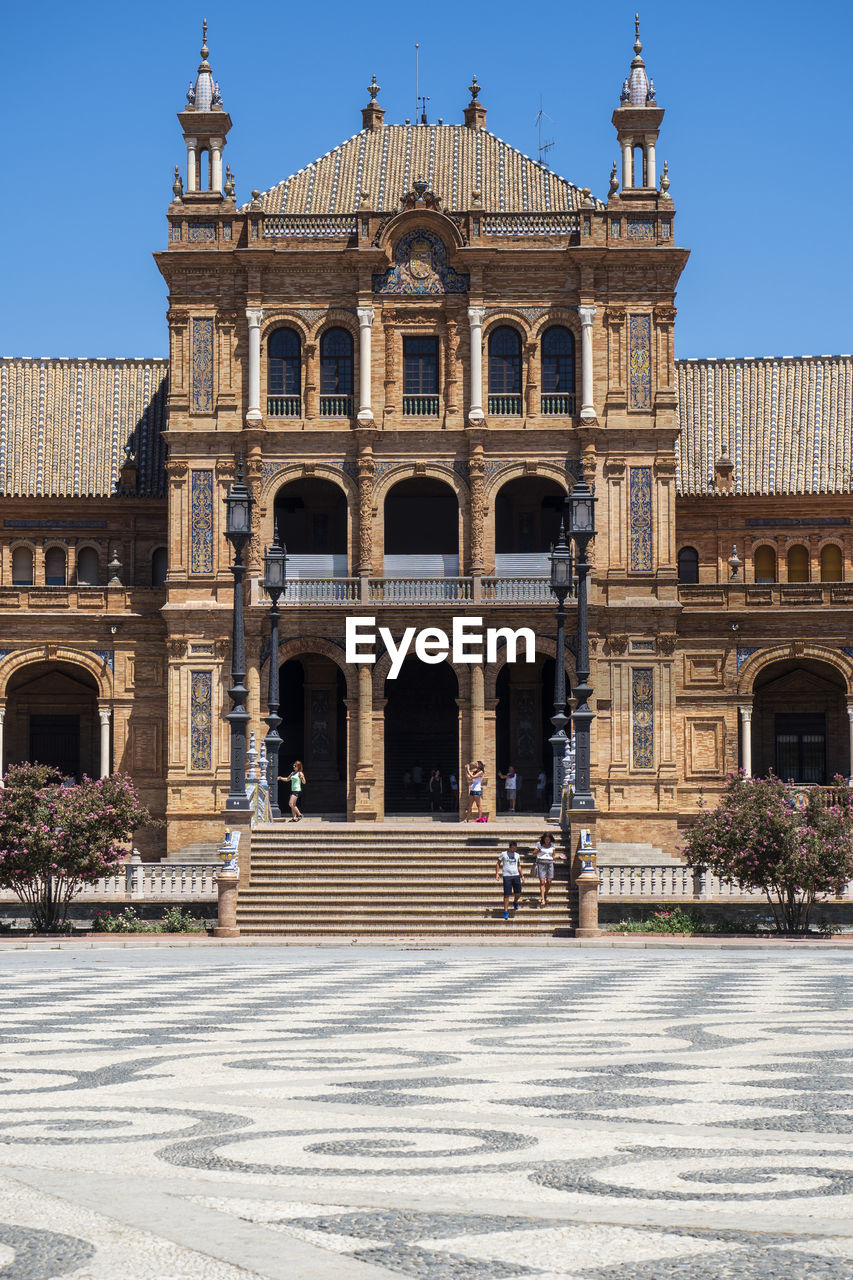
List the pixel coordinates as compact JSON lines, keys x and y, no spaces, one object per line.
{"x":409,"y":879}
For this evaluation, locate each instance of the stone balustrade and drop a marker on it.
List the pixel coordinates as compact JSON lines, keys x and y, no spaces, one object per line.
{"x":149,"y":882}
{"x":676,"y":882}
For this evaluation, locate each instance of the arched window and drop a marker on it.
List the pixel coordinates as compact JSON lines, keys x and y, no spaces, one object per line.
{"x":558,"y":371}
{"x":798,"y":564}
{"x":22,"y":567}
{"x":54,"y":567}
{"x":505,"y":372}
{"x":688,"y":565}
{"x":764,"y":564}
{"x":336,"y":374}
{"x":284,"y":375}
{"x":88,"y":567}
{"x":831,"y":565}
{"x":159,"y":565}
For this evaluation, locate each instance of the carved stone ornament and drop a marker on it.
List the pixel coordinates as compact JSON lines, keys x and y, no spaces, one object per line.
{"x":615,"y":316}
{"x":175,"y":648}
{"x":176,"y":469}
{"x":667,"y":643}
{"x":618,"y":644}
{"x":665,"y":313}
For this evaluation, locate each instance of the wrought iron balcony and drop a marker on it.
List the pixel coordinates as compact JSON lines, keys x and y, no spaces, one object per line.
{"x":558,"y":405}
{"x":505,"y":406}
{"x":284,"y":406}
{"x":335,"y":406}
{"x":420,"y":406}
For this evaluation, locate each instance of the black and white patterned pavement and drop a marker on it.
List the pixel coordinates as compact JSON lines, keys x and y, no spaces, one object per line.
{"x":446,"y":1113}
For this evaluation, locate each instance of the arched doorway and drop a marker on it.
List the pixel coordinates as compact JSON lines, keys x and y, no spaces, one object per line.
{"x":799,"y":722}
{"x":421,"y":530}
{"x":52,"y":717}
{"x":527,"y":522}
{"x":421,"y":734}
{"x":525,"y":701}
{"x":314,"y":730}
{"x":311,"y":515}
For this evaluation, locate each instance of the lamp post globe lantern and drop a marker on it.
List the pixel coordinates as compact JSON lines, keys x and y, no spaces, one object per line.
{"x":562,"y":575}
{"x":238,"y":530}
{"x":581,"y":505}
{"x":275,"y":581}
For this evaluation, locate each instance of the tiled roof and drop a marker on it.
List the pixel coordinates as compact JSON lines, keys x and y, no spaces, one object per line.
{"x":64,"y":425}
{"x":786,"y":424}
{"x":452,"y":158}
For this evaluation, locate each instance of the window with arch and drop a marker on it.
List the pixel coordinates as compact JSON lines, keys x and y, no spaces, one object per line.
{"x":505,"y":372}
{"x":88,"y":567}
{"x":54,"y":567}
{"x":159,"y":565}
{"x":798,"y":564}
{"x":336,"y":374}
{"x":284,"y":374}
{"x":22,"y":567}
{"x":831,"y":563}
{"x":688,"y":565}
{"x":420,"y":377}
{"x":764,"y":564}
{"x":558,"y":371}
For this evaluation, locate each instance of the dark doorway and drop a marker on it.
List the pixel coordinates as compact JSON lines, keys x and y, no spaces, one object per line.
{"x":314,"y":730}
{"x":421,"y":734}
{"x":421,"y":529}
{"x":527,"y":523}
{"x":801,"y":748}
{"x":800,"y":728}
{"x":525,"y":696}
{"x":311,"y":515}
{"x":55,"y":740}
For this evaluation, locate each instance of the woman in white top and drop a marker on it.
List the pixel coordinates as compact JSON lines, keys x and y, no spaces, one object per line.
{"x":475,"y":772}
{"x":545,"y":856}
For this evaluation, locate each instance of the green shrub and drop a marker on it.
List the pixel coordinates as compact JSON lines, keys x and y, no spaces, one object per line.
{"x":180,"y":920}
{"x":126,"y":921}
{"x":675,"y":921}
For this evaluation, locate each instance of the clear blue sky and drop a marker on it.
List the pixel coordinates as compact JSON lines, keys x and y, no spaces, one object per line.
{"x":756,"y":134}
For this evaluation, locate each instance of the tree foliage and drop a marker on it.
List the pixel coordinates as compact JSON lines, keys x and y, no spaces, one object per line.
{"x":757,"y":837}
{"x":55,"y":838}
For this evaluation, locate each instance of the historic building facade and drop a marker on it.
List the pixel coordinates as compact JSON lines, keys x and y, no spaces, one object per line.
{"x":415,"y":346}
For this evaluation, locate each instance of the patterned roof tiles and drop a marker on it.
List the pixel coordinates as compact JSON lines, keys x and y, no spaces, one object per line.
{"x":785,"y":422}
{"x":64,"y":425}
{"x":452,"y":158}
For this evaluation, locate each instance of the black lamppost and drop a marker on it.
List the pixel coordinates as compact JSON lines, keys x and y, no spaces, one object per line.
{"x":581,"y":506}
{"x":238,"y":530}
{"x":561,"y":585}
{"x":275,"y":579}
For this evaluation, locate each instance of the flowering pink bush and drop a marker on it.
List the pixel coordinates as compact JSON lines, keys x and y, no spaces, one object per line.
{"x":756,"y":837}
{"x":56,"y":838}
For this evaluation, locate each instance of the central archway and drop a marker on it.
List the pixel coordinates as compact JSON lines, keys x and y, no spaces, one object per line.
{"x":527,"y":523}
{"x":421,"y":529}
{"x":421,"y":734}
{"x":525,"y":698}
{"x":311,"y":515}
{"x":314,"y":730}
{"x":52,"y":717}
{"x":799,"y":722}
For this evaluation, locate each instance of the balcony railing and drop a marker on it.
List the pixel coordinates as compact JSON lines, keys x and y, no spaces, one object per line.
{"x":558,"y":406}
{"x":517,"y":591}
{"x":505,"y":406}
{"x":284,"y":406}
{"x":320,"y":591}
{"x":419,"y":590}
{"x":420,"y":406}
{"x":740,"y":595}
{"x":335,"y":406}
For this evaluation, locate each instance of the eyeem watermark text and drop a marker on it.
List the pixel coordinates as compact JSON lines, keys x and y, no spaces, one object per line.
{"x":468,"y":643}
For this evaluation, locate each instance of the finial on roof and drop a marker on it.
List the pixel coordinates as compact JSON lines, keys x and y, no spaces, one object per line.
{"x":638,"y":44}
{"x":664,"y":181}
{"x":178,"y":184}
{"x":373,"y":115}
{"x":191,"y":94}
{"x":614,"y":181}
{"x":373,"y":88}
{"x":229,"y":182}
{"x":474,"y":89}
{"x":205,"y":52}
{"x":475,"y":112}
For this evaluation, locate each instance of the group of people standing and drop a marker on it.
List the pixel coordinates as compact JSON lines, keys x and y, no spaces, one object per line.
{"x":508,"y":868}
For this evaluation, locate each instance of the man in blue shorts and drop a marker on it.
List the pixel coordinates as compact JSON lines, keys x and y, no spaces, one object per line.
{"x":508,"y":867}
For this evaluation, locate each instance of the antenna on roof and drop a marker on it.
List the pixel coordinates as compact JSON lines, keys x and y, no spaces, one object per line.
{"x":544,"y":146}
{"x":417,"y":86}
{"x":424,"y":101}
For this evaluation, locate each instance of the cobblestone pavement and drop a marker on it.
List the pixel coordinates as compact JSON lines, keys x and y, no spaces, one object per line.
{"x":449,"y":1113}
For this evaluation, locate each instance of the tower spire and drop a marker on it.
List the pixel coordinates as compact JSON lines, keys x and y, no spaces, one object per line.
{"x":373,"y":115}
{"x":205,"y":124}
{"x":637,"y":120}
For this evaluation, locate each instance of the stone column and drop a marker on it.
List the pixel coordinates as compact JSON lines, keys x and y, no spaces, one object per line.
{"x":651,"y":173}
{"x":192,"y":165}
{"x":477,"y":713}
{"x":365,"y":718}
{"x":366,"y":470}
{"x":310,"y":353}
{"x":476,"y":480}
{"x":475,"y":320}
{"x":531,"y":351}
{"x":746,"y":737}
{"x":365,"y":321}
{"x":106,"y":767}
{"x":254,"y":315}
{"x":627,"y":165}
{"x":849,"y":717}
{"x":587,"y":315}
{"x":216,"y":165}
{"x":451,"y":382}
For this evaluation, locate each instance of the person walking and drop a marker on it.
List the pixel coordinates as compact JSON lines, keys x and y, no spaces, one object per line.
{"x":436,"y":790}
{"x":509,"y":779}
{"x":475,"y":772}
{"x":508,"y":868}
{"x":296,"y":778}
{"x":545,"y":856}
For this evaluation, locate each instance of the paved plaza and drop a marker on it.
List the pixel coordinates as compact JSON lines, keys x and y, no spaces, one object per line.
{"x":448,"y":1113}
